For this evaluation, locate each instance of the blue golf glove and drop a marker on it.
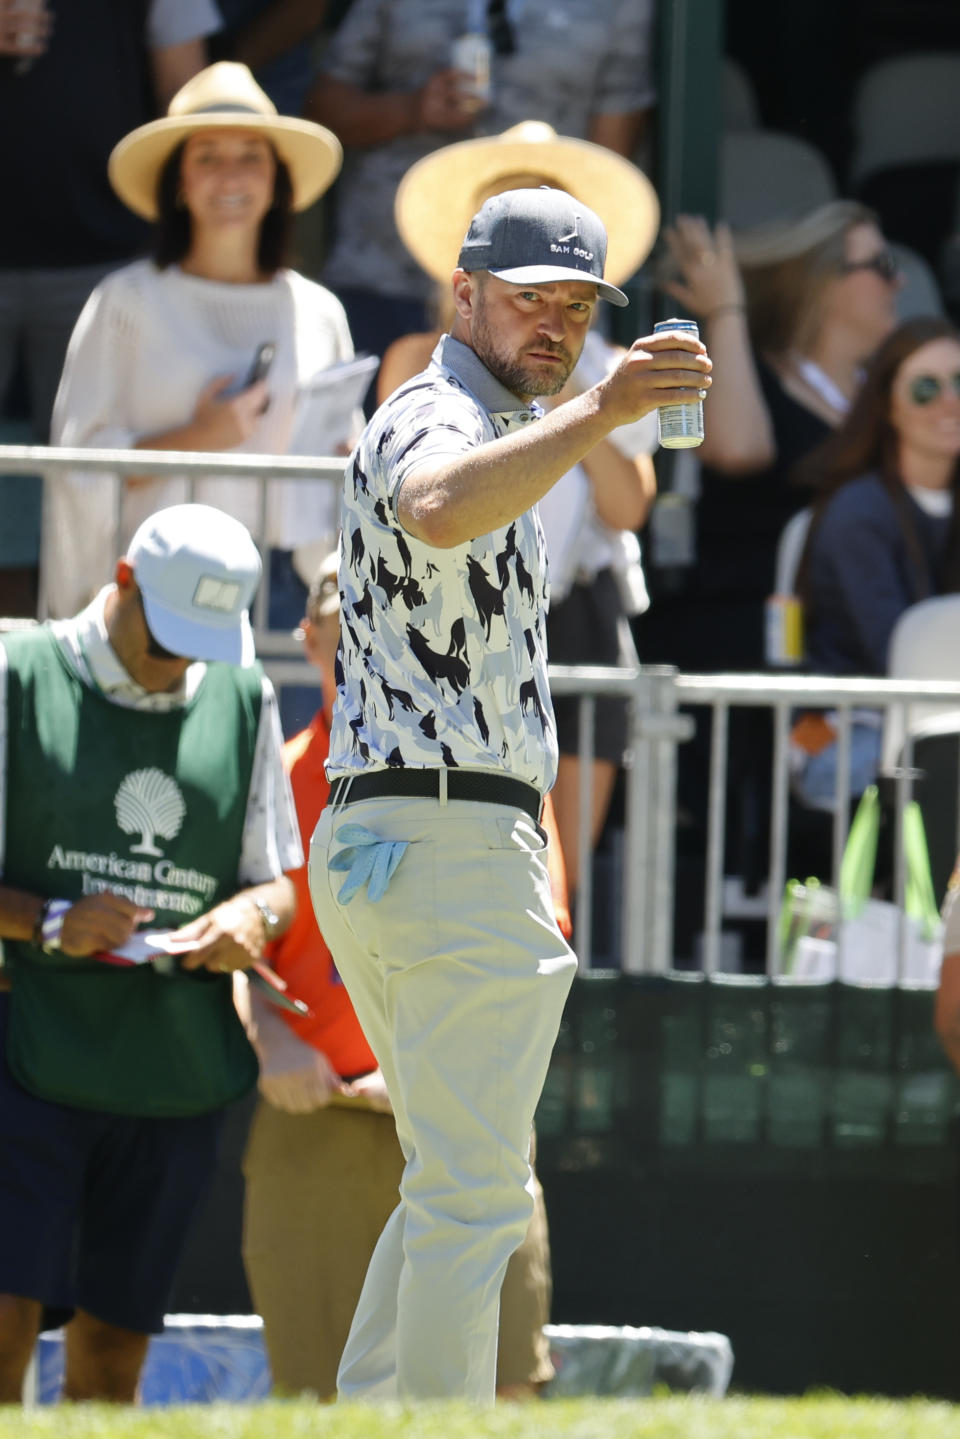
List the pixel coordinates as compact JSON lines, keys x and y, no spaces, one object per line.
{"x":366,"y":860}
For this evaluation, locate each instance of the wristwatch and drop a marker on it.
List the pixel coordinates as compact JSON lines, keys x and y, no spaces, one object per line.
{"x":271,"y":920}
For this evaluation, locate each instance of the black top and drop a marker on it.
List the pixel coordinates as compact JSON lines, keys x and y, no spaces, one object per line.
{"x":714,"y":619}
{"x":59,"y":121}
{"x":740,"y":519}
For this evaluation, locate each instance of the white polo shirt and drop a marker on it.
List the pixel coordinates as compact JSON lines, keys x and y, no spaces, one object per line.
{"x":442,"y":651}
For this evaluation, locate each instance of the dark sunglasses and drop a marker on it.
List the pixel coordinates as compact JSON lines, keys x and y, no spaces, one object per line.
{"x":499,"y":28}
{"x":924,"y":389}
{"x":884,"y":262}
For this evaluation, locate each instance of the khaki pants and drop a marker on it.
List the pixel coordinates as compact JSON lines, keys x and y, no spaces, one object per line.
{"x":458,"y":975}
{"x":319,"y":1189}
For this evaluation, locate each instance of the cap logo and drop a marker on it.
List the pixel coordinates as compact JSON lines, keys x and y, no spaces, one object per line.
{"x":564,"y":245}
{"x":214,"y":594}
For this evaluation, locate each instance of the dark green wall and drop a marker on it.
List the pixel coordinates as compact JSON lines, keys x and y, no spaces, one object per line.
{"x":774,"y":1163}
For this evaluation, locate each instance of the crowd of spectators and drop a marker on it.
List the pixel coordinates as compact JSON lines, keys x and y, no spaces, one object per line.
{"x":131,"y":312}
{"x":791,"y":310}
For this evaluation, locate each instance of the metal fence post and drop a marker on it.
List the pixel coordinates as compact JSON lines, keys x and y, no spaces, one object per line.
{"x":636,"y":887}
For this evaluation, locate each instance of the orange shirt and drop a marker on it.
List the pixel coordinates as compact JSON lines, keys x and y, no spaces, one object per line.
{"x":300,"y":956}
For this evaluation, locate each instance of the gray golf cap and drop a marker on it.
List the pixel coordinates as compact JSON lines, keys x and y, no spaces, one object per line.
{"x":536,"y":237}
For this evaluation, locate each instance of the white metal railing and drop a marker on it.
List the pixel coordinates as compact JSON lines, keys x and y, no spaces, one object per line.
{"x":656,"y":734}
{"x":782,"y":695}
{"x":192,"y":466}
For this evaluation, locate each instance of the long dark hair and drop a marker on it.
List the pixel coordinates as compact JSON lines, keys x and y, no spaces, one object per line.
{"x":866,"y":443}
{"x":172,"y":232}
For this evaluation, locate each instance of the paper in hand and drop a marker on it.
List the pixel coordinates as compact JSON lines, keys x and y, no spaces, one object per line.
{"x":327,"y":406}
{"x":147,"y":946}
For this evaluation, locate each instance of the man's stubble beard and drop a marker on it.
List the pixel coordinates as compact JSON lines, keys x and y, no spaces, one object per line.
{"x":508,"y":369}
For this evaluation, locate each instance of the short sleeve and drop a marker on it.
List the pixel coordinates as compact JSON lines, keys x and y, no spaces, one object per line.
{"x":90,"y":406}
{"x":351,"y":56}
{"x":626,"y":78}
{"x":435,"y":428}
{"x":174,"y":22}
{"x":271,"y":836}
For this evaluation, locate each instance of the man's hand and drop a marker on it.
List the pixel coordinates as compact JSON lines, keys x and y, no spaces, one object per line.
{"x":373,"y":1089}
{"x":25,"y":28}
{"x":309,"y":1086}
{"x":100,"y":921}
{"x":228,"y":937}
{"x":443,"y":104}
{"x":663,"y":369}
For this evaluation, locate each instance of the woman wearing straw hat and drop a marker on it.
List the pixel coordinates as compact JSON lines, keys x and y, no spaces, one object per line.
{"x":591,"y":515}
{"x":161,"y":356}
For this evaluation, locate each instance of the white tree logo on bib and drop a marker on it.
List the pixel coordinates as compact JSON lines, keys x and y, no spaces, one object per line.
{"x":149,"y":803}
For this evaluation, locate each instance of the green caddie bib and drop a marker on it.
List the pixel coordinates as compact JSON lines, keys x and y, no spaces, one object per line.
{"x":152,"y":805}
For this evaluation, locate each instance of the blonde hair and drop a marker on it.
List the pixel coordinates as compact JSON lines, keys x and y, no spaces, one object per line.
{"x":787,"y":267}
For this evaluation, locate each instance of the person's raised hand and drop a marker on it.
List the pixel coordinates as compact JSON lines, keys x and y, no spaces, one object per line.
{"x":709,"y":276}
{"x":221,"y":422}
{"x":668,"y":368}
{"x":309,"y":1085}
{"x":443,"y":104}
{"x":100,"y":921}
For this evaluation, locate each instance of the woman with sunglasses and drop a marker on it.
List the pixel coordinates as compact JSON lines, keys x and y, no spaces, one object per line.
{"x":885,"y":531}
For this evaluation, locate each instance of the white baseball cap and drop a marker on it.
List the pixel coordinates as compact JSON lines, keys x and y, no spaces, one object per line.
{"x":197,"y":569}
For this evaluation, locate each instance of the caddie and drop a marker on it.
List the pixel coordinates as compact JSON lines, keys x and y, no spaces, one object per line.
{"x":147,"y":825}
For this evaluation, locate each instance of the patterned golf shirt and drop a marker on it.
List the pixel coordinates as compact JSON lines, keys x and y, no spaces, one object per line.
{"x":442,"y":651}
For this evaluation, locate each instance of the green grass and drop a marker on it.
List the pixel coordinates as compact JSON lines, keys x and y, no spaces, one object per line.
{"x":815,"y":1417}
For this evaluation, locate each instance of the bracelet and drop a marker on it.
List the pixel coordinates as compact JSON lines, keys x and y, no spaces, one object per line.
{"x":49,"y":925}
{"x":725,"y":310}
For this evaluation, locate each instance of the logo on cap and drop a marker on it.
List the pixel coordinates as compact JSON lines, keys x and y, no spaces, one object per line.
{"x":564,"y":245}
{"x":215,"y":594}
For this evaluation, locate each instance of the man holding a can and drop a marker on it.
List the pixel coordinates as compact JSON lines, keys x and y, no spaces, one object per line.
{"x":442,"y":747}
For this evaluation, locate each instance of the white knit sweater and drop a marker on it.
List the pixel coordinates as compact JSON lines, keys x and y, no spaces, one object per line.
{"x":145,"y":345}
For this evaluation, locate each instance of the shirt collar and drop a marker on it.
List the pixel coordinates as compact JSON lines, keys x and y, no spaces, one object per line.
{"x":87,"y":644}
{"x":469,"y":369}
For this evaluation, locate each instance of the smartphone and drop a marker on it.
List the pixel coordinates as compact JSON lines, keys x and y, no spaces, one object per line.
{"x":259,"y":370}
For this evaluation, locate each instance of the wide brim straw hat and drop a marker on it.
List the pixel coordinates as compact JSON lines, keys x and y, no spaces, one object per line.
{"x":440,"y":194}
{"x":224,"y":96}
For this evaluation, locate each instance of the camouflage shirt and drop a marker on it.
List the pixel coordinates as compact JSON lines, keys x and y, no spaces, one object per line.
{"x":442,"y":651}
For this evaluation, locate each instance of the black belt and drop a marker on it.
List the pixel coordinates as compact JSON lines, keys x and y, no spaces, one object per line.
{"x":425,"y":784}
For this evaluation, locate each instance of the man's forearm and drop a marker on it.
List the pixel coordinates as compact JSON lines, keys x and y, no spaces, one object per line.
{"x":946,"y":1017}
{"x":361,"y":119}
{"x":493,"y":485}
{"x":19,"y":912}
{"x":280,"y":896}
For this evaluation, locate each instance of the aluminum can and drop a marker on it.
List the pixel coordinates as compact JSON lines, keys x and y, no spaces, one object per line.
{"x":680,"y":427}
{"x":471,"y":53}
